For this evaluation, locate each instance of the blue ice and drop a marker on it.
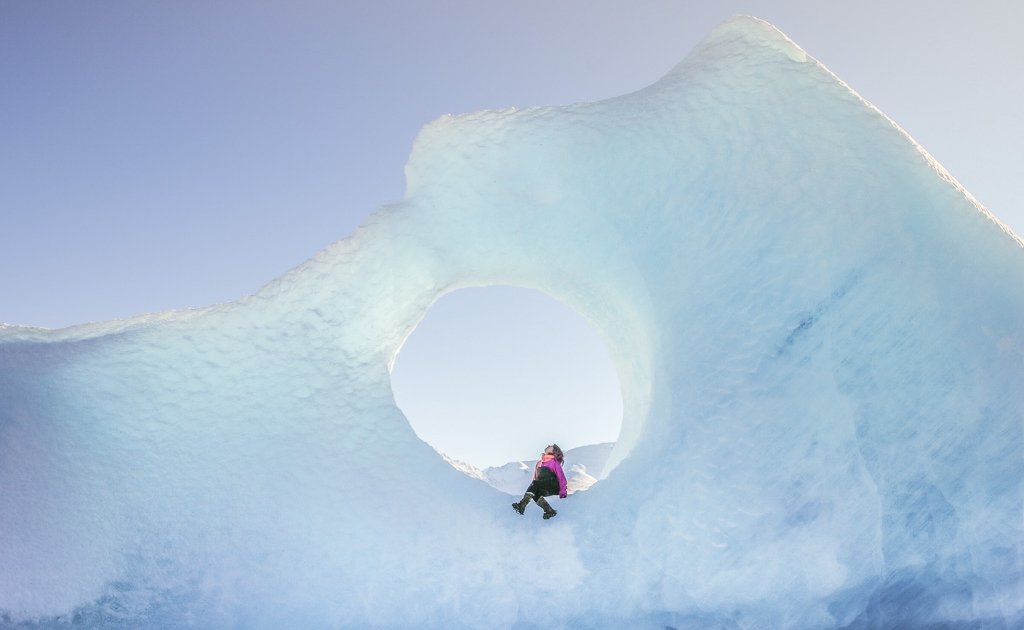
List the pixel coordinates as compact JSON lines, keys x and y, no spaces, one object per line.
{"x":819,"y":334}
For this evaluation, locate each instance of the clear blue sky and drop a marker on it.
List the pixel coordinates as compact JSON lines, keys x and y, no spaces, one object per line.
{"x":160,"y":155}
{"x":163,"y":155}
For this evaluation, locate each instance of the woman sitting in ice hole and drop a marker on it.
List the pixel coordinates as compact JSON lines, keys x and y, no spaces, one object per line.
{"x":548,"y":480}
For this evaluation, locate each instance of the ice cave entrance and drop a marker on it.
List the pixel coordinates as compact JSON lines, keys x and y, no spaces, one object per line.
{"x":492,"y":375}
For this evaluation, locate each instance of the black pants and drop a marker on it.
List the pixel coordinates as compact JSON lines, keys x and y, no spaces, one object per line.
{"x":544,"y":487}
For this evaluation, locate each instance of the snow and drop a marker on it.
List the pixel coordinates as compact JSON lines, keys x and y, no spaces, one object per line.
{"x":818,"y":334}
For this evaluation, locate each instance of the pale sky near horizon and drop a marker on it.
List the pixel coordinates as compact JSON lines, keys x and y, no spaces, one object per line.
{"x":166,"y":155}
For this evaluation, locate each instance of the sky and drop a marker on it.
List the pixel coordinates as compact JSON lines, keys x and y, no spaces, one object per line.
{"x":165,"y":155}
{"x":526,"y":372}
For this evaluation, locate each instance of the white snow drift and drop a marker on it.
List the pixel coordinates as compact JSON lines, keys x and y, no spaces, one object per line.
{"x":819,"y":334}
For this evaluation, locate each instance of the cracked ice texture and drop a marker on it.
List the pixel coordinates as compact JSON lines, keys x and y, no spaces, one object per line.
{"x":820,"y":340}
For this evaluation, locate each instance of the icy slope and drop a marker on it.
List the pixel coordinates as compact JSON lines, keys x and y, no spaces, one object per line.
{"x":817,"y":331}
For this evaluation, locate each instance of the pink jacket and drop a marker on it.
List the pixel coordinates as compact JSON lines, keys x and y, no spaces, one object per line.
{"x":556,"y":468}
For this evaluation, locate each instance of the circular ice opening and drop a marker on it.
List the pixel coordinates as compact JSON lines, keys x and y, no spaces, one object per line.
{"x":492,"y":375}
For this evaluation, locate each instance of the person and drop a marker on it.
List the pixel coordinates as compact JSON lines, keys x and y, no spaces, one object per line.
{"x":548,"y":480}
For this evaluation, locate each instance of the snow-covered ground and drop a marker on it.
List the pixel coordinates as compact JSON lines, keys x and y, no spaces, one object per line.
{"x":819,"y":339}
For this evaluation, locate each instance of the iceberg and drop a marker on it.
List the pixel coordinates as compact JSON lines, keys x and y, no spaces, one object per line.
{"x":819,"y":335}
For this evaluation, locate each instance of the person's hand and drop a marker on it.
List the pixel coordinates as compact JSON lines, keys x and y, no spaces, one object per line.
{"x":562,"y":496}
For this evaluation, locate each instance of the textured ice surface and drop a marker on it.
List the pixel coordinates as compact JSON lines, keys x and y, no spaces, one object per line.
{"x":819,"y":336}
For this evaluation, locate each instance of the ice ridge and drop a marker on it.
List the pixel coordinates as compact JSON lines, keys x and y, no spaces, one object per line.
{"x":817,"y":332}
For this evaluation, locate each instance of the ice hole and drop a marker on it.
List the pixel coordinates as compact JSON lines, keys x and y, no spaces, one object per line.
{"x":492,"y":375}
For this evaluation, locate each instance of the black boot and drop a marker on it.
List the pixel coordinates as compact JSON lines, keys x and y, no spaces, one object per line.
{"x":521,"y":505}
{"x":548,"y":510}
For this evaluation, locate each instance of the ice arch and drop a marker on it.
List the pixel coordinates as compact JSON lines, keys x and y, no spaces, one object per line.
{"x":817,"y":330}
{"x":492,"y":374}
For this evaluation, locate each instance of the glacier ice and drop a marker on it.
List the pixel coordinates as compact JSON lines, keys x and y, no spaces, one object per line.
{"x":820,"y":339}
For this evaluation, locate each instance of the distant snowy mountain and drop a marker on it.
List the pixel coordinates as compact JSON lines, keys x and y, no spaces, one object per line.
{"x":589,"y":460}
{"x":464,"y":467}
{"x":583,"y":468}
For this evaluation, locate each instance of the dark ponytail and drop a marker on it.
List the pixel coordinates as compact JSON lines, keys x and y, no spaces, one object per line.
{"x":558,"y":453}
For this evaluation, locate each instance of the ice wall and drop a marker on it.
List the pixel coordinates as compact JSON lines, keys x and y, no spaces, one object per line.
{"x":817,"y":331}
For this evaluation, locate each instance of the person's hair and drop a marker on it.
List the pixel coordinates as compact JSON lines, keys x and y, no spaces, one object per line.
{"x":558,"y":453}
